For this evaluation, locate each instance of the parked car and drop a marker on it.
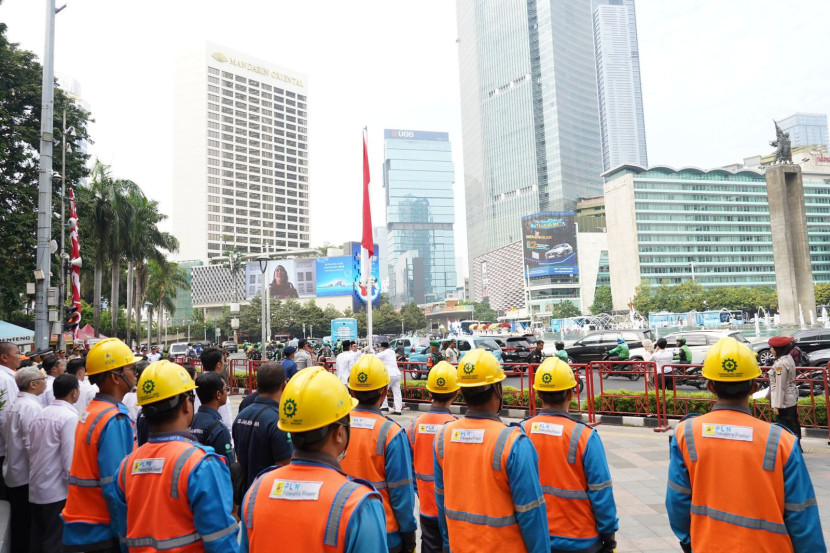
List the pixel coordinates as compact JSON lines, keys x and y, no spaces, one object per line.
{"x":559,"y":250}
{"x":406,"y":346}
{"x":807,"y":341}
{"x":596,"y":344}
{"x":230,"y":346}
{"x":699,"y":341}
{"x":465,"y":344}
{"x":179,"y":348}
{"x":515,"y":349}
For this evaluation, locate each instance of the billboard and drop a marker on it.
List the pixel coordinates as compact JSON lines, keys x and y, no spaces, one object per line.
{"x":373,"y":290}
{"x":335,"y":276}
{"x":284,"y":278}
{"x":549,"y":244}
{"x":416,"y":135}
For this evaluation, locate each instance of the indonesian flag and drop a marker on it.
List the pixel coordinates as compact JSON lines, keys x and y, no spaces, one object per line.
{"x":368,"y":241}
{"x":75,"y":258}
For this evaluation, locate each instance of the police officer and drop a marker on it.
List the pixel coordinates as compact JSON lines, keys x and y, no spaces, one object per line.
{"x":103,"y":437}
{"x":737,"y":483}
{"x":443,"y":388}
{"x":337,"y":513}
{"x":573,"y":470}
{"x":379,"y":452}
{"x":486,"y":477}
{"x":172,"y":492}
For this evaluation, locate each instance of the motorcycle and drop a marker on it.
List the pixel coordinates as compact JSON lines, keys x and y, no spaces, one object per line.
{"x":630,"y":368}
{"x":689,"y":376}
{"x":255,"y":355}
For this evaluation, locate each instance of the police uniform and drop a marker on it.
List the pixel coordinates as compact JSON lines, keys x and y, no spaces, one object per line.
{"x":576,"y":481}
{"x":208,"y":429}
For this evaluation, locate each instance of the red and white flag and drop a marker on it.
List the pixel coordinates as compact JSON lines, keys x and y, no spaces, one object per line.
{"x":75,"y":257}
{"x":367,"y":241}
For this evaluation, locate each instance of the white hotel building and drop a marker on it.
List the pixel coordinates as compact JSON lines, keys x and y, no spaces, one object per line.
{"x":240,"y":175}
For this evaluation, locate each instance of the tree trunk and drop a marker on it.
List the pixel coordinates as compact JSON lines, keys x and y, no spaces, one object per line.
{"x":160,"y":314}
{"x":129,"y":306}
{"x":96,"y":294}
{"x":115,"y":293}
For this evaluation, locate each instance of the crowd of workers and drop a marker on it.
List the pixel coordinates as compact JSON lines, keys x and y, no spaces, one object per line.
{"x":309,"y":464}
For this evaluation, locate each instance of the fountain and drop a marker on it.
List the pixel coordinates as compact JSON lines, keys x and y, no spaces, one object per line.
{"x":824,"y":316}
{"x":812,"y":319}
{"x":801,"y":317}
{"x":757,"y":327}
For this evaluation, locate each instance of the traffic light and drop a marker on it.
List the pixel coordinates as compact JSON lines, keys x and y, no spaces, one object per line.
{"x":72,"y":319}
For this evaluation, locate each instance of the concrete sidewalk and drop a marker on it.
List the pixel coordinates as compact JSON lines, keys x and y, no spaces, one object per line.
{"x":639,"y":460}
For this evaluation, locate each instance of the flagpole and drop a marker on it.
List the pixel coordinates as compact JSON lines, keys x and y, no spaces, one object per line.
{"x":365,"y":257}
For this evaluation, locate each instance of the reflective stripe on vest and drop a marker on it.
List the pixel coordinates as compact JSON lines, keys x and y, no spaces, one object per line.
{"x":570,"y":514}
{"x":272,"y":522}
{"x":478,"y":502}
{"x":422,"y":457}
{"x":736,"y":469}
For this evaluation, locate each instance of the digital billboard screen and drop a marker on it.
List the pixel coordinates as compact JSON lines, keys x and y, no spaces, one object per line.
{"x":284,"y":278}
{"x":549,"y":244}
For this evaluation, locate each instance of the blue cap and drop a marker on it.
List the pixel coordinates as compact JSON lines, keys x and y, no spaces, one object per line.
{"x":289,"y":350}
{"x":619,"y":340}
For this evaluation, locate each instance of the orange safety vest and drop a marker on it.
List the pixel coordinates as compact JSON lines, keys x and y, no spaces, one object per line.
{"x":271,"y":511}
{"x":366,"y":455}
{"x":154,"y":481}
{"x":421,"y":433}
{"x":478,"y":503}
{"x":84,"y":500}
{"x":560,"y":443}
{"x":736,"y":469}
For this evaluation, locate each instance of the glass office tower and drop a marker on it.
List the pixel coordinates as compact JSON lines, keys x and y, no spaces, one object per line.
{"x":806,"y":129}
{"x":418,"y":175}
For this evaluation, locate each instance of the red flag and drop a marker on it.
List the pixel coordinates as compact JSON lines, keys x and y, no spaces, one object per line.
{"x":368,"y":241}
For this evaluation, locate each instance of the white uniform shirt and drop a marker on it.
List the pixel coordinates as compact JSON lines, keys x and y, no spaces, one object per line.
{"x":662,"y":357}
{"x":51,"y":453}
{"x":130,"y":401}
{"x":343,"y":365}
{"x":153,"y":357}
{"x":9,"y":387}
{"x":390,"y":361}
{"x":48,"y":395}
{"x":16,"y":431}
{"x":303,"y":359}
{"x":88,"y":391}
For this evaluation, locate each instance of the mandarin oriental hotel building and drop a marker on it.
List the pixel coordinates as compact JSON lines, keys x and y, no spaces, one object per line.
{"x":240,"y":176}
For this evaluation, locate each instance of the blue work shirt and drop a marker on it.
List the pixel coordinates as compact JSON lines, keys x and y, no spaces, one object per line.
{"x":290,"y":368}
{"x":248,"y":400}
{"x":115,"y":443}
{"x":207,"y":427}
{"x":523,"y":475}
{"x":209,"y":495}
{"x":259,"y":443}
{"x":366,"y":529}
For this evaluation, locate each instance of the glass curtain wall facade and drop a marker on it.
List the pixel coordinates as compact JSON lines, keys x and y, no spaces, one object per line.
{"x":530,"y":116}
{"x":806,"y":129}
{"x":619,"y":87}
{"x":418,"y":177}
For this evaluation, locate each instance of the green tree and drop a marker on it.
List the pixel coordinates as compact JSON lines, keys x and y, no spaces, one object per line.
{"x":822,"y":291}
{"x":20,"y":110}
{"x":565,"y":309}
{"x":664,"y":298}
{"x":689,"y":296}
{"x":644,"y":298}
{"x":603,"y":303}
{"x":413,"y":317}
{"x":483,"y":312}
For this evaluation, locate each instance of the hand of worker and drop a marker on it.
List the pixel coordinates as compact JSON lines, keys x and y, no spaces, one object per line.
{"x":408,"y":542}
{"x":609,"y":543}
{"x":775,"y":410}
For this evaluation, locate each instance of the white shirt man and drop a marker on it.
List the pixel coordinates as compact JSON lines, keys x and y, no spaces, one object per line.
{"x":390,"y":361}
{"x":31,"y":382}
{"x":50,"y":460}
{"x":155,"y":356}
{"x":9,"y":362}
{"x":345,"y":360}
{"x":303,"y":356}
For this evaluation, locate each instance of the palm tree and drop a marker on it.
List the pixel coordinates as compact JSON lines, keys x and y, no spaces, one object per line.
{"x":104,"y":220}
{"x":165,"y":279}
{"x":143,"y":241}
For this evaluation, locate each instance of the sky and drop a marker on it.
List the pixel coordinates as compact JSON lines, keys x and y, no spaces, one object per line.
{"x":714,"y":75}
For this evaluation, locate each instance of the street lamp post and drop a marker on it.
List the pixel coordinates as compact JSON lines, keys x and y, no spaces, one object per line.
{"x":263,"y":266}
{"x":147,"y":306}
{"x":188,"y":330}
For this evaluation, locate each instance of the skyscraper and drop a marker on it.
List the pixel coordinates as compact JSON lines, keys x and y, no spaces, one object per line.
{"x":418,"y":175}
{"x":240,"y":174}
{"x":806,"y":129}
{"x":622,"y":122}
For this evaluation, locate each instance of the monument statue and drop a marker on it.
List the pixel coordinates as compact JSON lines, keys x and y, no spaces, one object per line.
{"x":783,"y":152}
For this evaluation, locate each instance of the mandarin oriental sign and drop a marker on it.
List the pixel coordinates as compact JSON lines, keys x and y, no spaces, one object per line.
{"x":220,"y":57}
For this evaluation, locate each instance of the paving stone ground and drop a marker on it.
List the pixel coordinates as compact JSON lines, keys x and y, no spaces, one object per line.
{"x":639,"y":459}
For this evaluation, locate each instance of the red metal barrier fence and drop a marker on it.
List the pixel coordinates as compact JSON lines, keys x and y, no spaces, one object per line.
{"x":651,"y":395}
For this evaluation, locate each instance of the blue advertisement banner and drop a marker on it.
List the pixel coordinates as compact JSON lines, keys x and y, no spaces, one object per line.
{"x":359,"y":293}
{"x":549,"y":244}
{"x":335,"y":276}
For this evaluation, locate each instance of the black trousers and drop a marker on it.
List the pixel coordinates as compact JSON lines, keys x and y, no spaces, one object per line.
{"x":4,"y":491}
{"x":20,"y":519}
{"x":431,"y":541}
{"x":665,"y":381}
{"x":47,"y":527}
{"x":788,"y":416}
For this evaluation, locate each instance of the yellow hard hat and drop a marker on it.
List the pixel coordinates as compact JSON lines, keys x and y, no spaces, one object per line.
{"x":108,"y":355}
{"x":162,"y":380}
{"x":730,"y":361}
{"x":312,"y":399}
{"x":554,"y":375}
{"x":369,"y":373}
{"x":442,"y":379}
{"x":479,"y":368}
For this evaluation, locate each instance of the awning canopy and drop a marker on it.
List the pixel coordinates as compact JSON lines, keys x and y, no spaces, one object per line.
{"x":17,"y":335}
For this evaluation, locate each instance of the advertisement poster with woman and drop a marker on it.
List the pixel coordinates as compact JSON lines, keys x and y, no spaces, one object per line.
{"x":284,"y":278}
